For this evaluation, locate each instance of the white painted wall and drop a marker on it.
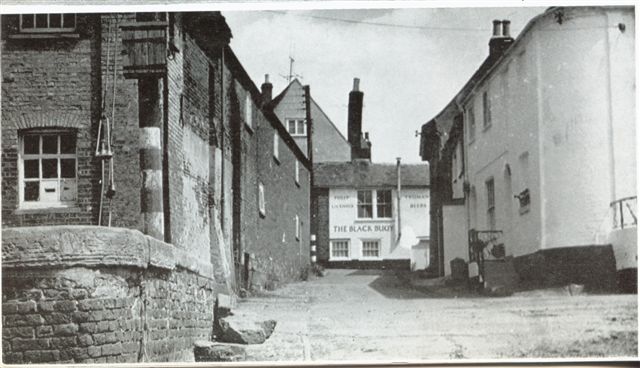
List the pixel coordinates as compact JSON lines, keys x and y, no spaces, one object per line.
{"x":565,"y":96}
{"x":414,"y":218}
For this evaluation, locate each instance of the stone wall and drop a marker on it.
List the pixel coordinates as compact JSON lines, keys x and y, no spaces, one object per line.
{"x":83,"y":294}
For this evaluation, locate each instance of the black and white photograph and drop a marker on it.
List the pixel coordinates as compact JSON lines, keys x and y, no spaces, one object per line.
{"x":318,"y":182}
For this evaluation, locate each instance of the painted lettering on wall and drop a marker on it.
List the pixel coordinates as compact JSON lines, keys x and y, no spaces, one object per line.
{"x":362,"y":228}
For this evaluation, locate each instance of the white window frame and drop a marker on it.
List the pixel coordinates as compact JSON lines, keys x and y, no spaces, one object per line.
{"x":297,"y":227}
{"x":486,"y":110}
{"x":490,"y":186}
{"x":276,"y":146}
{"x":471,"y":118}
{"x":331,"y":249}
{"x":371,"y":241}
{"x":297,"y":132}
{"x":47,"y":29}
{"x":297,"y":172}
{"x":374,"y":204}
{"x":40,"y":204}
{"x":248,"y":111}
{"x":261,"y":200}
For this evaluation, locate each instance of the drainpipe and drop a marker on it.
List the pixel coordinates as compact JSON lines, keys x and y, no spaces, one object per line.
{"x":398,"y":189}
{"x":150,"y":117}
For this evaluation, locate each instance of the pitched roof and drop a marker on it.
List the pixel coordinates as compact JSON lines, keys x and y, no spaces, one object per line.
{"x":362,"y":174}
{"x":276,"y":101}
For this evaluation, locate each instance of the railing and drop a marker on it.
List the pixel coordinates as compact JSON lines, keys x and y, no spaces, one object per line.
{"x":624,"y":212}
{"x":485,"y":245}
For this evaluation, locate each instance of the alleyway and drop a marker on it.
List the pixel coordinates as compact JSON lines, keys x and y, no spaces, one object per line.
{"x":370,"y":315}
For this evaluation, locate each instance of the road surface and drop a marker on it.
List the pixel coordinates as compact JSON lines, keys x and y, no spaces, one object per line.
{"x":362,"y":315}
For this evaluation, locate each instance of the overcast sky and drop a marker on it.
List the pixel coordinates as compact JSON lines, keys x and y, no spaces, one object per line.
{"x":408,"y":72}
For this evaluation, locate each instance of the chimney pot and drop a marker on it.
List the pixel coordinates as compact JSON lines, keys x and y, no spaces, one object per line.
{"x":266,"y":78}
{"x":366,"y":136}
{"x":356,"y":84}
{"x":505,"y":28}
{"x":496,"y":28}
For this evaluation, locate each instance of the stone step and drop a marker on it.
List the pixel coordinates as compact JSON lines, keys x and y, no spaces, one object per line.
{"x":210,"y":351}
{"x":244,"y":328}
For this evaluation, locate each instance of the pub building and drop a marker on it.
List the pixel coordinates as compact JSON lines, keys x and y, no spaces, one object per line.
{"x":369,"y":215}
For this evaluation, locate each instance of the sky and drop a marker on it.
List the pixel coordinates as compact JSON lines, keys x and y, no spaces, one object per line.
{"x":411,"y":62}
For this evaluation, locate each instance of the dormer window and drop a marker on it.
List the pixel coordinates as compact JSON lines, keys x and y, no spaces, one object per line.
{"x":43,"y":23}
{"x":297,"y":127}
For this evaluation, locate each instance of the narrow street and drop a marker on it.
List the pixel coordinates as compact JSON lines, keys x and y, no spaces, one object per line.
{"x":370,"y":315}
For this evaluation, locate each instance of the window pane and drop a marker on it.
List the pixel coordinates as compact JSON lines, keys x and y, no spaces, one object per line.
{"x":31,"y":169}
{"x":49,"y":144}
{"x":55,"y":20}
{"x":370,"y":249}
{"x":50,"y":168}
{"x":301,"y":127}
{"x":68,"y":168}
{"x":31,"y":144}
{"x":27,"y":20}
{"x":364,"y":196}
{"x":67,"y":143}
{"x":31,"y":191}
{"x":365,"y":206}
{"x":41,"y":21}
{"x":365,"y":211}
{"x":292,"y":127}
{"x":68,"y":189}
{"x":340,"y":249}
{"x":69,"y":21}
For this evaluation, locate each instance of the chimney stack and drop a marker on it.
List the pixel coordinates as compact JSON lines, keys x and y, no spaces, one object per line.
{"x":267,"y":90}
{"x":354,"y":119}
{"x":500,"y":39}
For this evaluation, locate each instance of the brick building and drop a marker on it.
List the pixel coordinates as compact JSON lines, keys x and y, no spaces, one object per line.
{"x":139,"y":166}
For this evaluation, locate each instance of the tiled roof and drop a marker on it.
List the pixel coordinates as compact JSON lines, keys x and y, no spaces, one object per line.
{"x":366,"y":174}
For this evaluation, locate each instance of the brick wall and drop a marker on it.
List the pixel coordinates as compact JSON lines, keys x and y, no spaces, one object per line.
{"x":46,"y":83}
{"x":283,"y":200}
{"x":125,"y":206}
{"x":320,"y":208}
{"x":141,"y":307}
{"x":81,"y":315}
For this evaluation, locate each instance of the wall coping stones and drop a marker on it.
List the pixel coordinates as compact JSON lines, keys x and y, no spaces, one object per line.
{"x":92,"y":246}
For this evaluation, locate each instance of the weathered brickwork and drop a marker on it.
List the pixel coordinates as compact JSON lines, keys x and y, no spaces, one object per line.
{"x":284,"y":199}
{"x":61,"y":305}
{"x":125,"y":206}
{"x":113,"y":298}
{"x":320,"y":213}
{"x":45,"y":83}
{"x":82,"y":315}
